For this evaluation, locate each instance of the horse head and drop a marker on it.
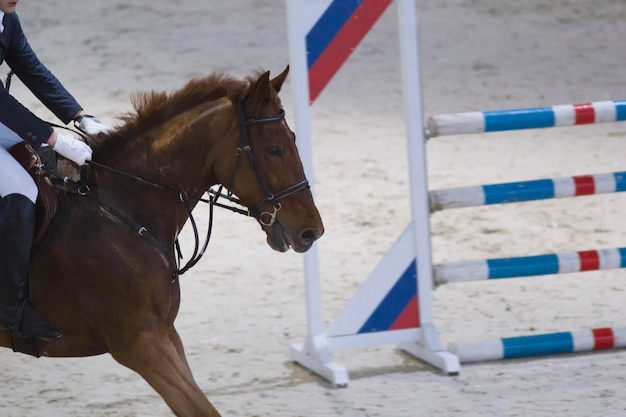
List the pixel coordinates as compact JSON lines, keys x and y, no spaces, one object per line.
{"x":267,"y":174}
{"x":215,"y":130}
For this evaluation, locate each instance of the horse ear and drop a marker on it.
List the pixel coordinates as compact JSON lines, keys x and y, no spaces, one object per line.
{"x":277,"y":82}
{"x":261,"y":88}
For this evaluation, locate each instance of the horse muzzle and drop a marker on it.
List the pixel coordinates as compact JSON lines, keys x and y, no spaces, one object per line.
{"x":281,"y":238}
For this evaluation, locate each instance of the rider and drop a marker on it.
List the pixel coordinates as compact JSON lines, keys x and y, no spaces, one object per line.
{"x":18,"y":191}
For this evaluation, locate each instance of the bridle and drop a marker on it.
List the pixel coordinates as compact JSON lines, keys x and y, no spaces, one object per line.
{"x":265,"y":218}
{"x":253,"y":211}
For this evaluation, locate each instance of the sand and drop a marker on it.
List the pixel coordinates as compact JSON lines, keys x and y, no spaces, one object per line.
{"x":244,"y":304}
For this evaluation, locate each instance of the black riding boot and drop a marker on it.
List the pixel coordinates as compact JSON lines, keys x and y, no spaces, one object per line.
{"x":17,"y":224}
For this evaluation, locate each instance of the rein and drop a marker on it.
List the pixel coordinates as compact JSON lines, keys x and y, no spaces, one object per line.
{"x":83,"y":190}
{"x":265,"y":218}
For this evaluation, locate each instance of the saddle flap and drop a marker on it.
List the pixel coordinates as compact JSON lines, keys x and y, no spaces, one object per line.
{"x":46,"y":206}
{"x":25,"y":155}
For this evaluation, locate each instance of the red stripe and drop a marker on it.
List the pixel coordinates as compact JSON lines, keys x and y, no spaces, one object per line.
{"x":585,"y":113}
{"x":585,"y":185}
{"x":589,"y":260}
{"x":346,"y":41}
{"x":409,"y":318}
{"x":603,"y":338}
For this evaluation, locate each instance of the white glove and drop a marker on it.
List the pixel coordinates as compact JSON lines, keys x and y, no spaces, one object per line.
{"x":73,"y":149}
{"x":92,"y":126}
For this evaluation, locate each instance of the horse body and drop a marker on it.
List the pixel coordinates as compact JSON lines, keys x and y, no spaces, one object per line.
{"x":110,"y":289}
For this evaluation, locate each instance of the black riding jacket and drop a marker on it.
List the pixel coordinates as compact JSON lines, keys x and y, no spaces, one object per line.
{"x":15,"y":50}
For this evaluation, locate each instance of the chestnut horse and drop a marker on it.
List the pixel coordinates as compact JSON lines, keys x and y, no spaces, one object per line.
{"x":109,"y":279}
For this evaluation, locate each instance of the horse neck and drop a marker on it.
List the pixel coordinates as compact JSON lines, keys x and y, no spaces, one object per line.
{"x":176,"y":158}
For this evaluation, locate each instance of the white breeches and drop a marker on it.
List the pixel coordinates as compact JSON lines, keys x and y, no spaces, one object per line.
{"x":13,"y":178}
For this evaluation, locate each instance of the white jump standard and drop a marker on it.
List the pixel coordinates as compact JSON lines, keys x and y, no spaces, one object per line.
{"x":394,"y":305}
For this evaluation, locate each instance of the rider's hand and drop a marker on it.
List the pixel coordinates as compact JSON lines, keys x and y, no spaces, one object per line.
{"x":91,"y":126}
{"x":72,"y":148}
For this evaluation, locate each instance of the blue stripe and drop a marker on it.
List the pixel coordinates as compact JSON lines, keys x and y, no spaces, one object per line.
{"x":620,"y":181}
{"x":518,"y":191}
{"x":622,"y":256}
{"x":327,"y":27}
{"x":514,"y":119}
{"x":620,"y":110}
{"x":394,"y":302}
{"x":526,"y":266}
{"x":545,"y":344}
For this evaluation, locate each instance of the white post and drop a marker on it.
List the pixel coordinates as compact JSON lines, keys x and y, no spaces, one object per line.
{"x":314,"y":353}
{"x":429,"y":348}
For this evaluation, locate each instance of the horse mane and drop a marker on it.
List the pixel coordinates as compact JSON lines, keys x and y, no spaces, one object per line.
{"x":153,"y":107}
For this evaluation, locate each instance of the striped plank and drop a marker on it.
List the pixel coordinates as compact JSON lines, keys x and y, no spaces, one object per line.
{"x":527,"y":266}
{"x":515,"y":192}
{"x":526,"y":118}
{"x":539,"y":345}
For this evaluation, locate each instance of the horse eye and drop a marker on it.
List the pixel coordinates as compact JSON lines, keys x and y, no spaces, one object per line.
{"x":274,"y":151}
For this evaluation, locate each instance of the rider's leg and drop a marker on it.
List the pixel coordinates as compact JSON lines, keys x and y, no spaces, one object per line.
{"x":18,"y":194}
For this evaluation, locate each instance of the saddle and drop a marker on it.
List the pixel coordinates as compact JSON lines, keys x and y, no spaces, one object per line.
{"x":41,"y":165}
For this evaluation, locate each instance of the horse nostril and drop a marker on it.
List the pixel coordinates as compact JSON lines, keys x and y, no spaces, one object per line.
{"x":310,"y":235}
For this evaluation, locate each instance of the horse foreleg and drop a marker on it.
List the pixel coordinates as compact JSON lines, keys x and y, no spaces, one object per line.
{"x":178,"y":344}
{"x":162,"y":363}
